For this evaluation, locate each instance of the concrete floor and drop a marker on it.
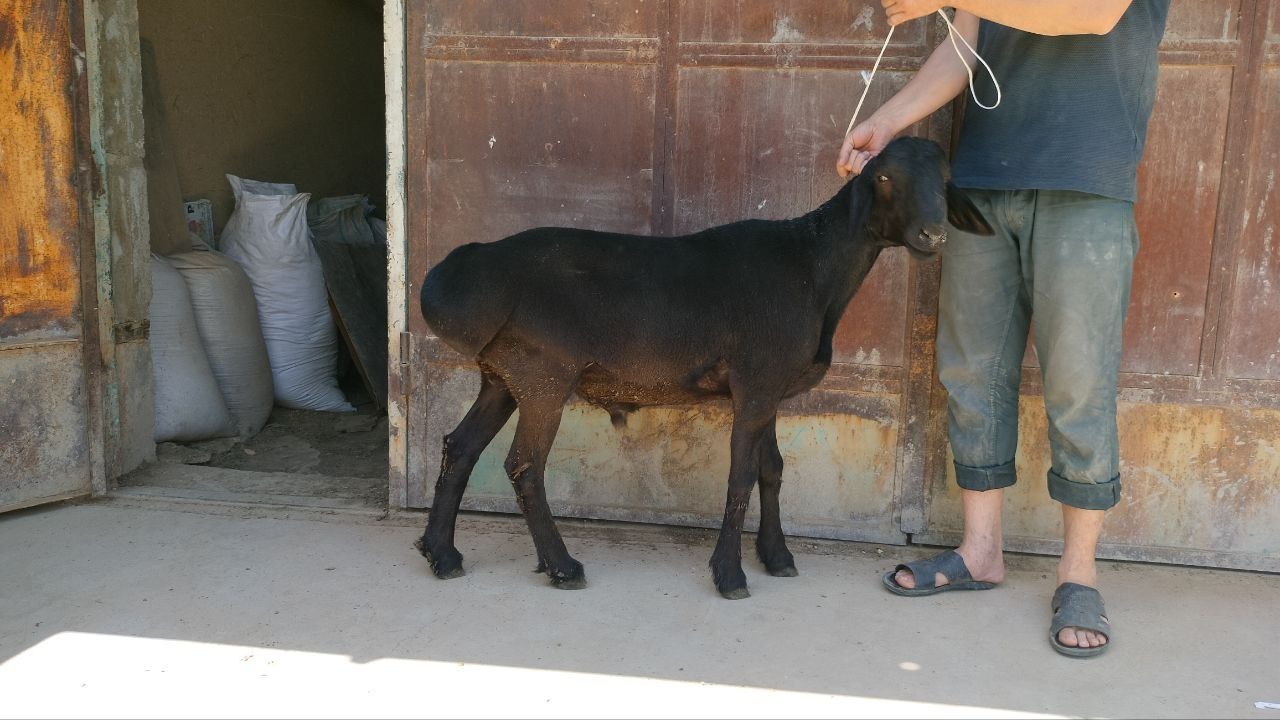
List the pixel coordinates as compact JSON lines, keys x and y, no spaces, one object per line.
{"x":130,"y":607}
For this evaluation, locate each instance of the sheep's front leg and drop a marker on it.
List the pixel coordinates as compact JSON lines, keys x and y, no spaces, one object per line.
{"x":771,"y":546}
{"x":750,"y":421}
{"x":526,"y":465}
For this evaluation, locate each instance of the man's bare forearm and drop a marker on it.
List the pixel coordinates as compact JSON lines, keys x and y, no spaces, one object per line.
{"x":1050,"y":17}
{"x":938,"y":81}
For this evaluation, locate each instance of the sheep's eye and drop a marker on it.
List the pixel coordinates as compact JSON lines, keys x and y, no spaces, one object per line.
{"x":882,"y":178}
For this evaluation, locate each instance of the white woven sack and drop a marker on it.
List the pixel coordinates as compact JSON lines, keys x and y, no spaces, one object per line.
{"x":189,"y":405}
{"x":267,"y":235}
{"x":227,"y":317}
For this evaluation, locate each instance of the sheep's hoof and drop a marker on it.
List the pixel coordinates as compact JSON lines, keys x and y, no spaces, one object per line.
{"x":578,"y":583}
{"x":730,"y":581}
{"x":777,"y":560}
{"x":573,"y":579}
{"x":446,"y":565}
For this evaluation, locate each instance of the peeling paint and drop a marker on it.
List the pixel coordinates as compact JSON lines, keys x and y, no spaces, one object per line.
{"x":866,"y":18}
{"x":862,"y":357}
{"x":1263,"y":269}
{"x":784,"y":31}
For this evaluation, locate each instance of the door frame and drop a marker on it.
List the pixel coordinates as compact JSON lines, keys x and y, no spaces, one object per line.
{"x":398,"y":390}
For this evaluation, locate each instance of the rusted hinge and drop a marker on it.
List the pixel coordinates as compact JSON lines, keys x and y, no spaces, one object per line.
{"x":131,"y":331}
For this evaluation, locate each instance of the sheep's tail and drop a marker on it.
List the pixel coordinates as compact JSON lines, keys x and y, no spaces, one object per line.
{"x":468,"y":297}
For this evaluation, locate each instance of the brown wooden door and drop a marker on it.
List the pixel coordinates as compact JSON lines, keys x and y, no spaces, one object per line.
{"x":45,"y":447}
{"x":666,"y":116}
{"x":1200,"y":382}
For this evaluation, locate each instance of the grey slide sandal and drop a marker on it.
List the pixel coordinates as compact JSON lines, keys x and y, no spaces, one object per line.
{"x":949,"y":563}
{"x":1079,"y":606}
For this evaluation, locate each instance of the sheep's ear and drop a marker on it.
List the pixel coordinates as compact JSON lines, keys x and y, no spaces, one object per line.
{"x":861,"y":196}
{"x":963,"y":214}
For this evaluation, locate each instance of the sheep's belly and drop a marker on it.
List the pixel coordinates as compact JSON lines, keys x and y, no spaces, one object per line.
{"x":601,"y":387}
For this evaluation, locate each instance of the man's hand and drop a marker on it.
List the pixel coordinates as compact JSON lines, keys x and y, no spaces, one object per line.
{"x":863,"y":143}
{"x":900,"y":11}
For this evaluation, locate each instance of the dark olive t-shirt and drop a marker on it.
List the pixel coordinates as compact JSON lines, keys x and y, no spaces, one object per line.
{"x":1075,"y":108}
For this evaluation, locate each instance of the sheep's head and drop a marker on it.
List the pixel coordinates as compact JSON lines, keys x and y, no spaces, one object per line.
{"x":914,"y":198}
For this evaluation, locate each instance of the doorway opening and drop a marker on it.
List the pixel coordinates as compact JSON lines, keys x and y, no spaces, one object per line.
{"x":288,"y":94}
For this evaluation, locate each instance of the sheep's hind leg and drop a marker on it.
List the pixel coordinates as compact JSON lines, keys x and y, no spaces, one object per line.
{"x":462,"y":449}
{"x":526,"y":466}
{"x":771,"y":546}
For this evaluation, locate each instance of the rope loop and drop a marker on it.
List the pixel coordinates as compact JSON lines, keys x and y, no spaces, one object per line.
{"x":952,"y":33}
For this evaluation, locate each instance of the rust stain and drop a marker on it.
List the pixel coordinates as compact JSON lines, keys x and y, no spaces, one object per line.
{"x":1203,"y":477}
{"x":8,"y":34}
{"x":1196,"y":478}
{"x":39,"y":276}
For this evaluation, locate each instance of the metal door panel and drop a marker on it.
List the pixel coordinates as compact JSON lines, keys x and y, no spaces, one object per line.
{"x":44,"y":427}
{"x":1252,"y":345}
{"x":44,"y":455}
{"x":1178,"y":186}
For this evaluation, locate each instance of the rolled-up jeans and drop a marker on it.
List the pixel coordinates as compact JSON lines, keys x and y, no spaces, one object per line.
{"x":1061,"y":263}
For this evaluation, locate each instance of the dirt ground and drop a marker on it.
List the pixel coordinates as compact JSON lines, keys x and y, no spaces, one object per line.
{"x":300,"y":458}
{"x":299,"y":441}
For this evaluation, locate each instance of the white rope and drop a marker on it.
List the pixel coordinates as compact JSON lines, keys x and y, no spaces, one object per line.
{"x":952,"y":33}
{"x":869,"y":78}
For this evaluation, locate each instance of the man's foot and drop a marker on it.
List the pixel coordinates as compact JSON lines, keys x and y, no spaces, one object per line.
{"x":1083,"y":573}
{"x":985,"y":565}
{"x":1078,"y":608}
{"x":982,"y":548}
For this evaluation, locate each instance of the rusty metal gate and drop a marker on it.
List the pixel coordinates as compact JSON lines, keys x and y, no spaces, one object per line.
{"x":48,"y":410}
{"x":666,"y":116}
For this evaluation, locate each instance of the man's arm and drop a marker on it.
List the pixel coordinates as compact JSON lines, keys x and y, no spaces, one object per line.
{"x":939,"y":80}
{"x":1043,"y":17}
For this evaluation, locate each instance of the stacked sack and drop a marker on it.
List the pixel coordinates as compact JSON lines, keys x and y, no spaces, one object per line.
{"x":212,"y":376}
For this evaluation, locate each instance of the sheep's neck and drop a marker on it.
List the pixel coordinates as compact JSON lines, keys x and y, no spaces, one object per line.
{"x":843,"y":255}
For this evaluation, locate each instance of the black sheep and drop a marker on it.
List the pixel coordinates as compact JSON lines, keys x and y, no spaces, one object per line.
{"x":745,"y":311}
